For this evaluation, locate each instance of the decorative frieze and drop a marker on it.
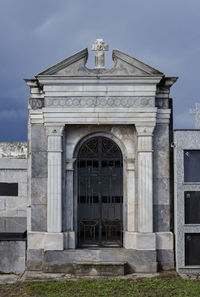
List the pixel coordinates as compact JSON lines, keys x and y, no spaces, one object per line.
{"x":79,"y":102}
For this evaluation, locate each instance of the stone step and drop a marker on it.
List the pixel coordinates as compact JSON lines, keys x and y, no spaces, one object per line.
{"x":62,"y":261}
{"x":95,"y":268}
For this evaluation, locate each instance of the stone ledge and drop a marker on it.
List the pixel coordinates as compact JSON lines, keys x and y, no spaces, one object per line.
{"x":189,"y":272}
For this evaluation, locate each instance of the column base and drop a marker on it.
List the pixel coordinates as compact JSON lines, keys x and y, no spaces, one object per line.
{"x":164,"y":240}
{"x":140,"y":241}
{"x":165,"y":250}
{"x":46,"y":241}
{"x":69,"y":240}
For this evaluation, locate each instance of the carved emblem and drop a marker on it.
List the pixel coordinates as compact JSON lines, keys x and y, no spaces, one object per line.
{"x":36,"y":103}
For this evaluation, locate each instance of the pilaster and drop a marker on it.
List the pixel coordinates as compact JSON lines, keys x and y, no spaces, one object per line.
{"x":70,"y":238}
{"x":131,"y":201}
{"x":54,"y":184}
{"x":145,"y":178}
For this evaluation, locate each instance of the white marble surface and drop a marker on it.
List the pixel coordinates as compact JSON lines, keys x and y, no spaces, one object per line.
{"x":145,"y":178}
{"x":45,"y":241}
{"x":54,"y":187}
{"x":164,"y":240}
{"x":53,"y":241}
{"x":140,"y":241}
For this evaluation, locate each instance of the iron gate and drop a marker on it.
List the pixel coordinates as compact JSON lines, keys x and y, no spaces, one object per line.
{"x":100,"y":193}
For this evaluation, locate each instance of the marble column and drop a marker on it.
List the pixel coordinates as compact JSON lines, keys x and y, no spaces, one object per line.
{"x":145,"y":178}
{"x":54,"y":185}
{"x":131,"y":201}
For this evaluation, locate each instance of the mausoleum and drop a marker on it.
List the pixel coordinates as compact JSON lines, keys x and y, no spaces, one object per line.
{"x":100,"y":166}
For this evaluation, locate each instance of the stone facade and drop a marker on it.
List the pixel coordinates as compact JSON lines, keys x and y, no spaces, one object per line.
{"x":129,"y":104}
{"x":184,"y":140}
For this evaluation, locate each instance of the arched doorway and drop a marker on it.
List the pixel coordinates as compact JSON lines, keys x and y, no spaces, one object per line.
{"x":100,"y":193}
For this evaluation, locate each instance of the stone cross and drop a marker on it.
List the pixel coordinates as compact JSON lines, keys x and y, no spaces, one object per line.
{"x":99,"y":47}
{"x":196,"y":112}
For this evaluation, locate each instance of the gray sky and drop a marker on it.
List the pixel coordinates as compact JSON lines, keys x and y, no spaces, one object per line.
{"x":37,"y":34}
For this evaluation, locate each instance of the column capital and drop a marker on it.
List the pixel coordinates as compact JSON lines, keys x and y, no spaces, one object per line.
{"x":144,"y":130}
{"x":70,"y":164}
{"x":130,"y":162}
{"x":55,"y":130}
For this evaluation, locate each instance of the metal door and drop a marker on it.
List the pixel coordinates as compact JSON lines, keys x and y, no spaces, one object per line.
{"x":100,"y":193}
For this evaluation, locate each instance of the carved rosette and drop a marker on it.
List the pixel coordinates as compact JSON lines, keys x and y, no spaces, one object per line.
{"x":36,"y":103}
{"x":83,"y":102}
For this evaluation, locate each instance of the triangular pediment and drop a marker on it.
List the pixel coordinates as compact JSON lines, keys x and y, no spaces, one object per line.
{"x":124,"y":65}
{"x":69,"y":65}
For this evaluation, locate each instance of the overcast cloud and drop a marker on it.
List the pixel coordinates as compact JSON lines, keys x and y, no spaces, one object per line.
{"x":37,"y":34}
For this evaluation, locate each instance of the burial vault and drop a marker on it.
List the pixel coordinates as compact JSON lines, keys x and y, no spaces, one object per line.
{"x":99,"y":164}
{"x":99,"y":182}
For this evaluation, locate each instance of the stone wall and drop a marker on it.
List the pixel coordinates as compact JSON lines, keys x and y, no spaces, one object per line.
{"x":13,"y":259}
{"x":184,"y":141}
{"x":13,"y":169}
{"x":38,"y":177}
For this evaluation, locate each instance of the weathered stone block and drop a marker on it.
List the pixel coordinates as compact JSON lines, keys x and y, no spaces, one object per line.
{"x":164,"y":241}
{"x":161,"y":191}
{"x":165,"y":259}
{"x":34,"y":259}
{"x":161,"y":164}
{"x":38,"y":138}
{"x":38,"y":191}
{"x":13,"y":224}
{"x":140,"y":241}
{"x":53,"y":241}
{"x":161,"y":218}
{"x":39,"y":164}
{"x":35,"y":240}
{"x":39,"y":217}
{"x":161,"y":138}
{"x":19,"y":176}
{"x":12,"y":258}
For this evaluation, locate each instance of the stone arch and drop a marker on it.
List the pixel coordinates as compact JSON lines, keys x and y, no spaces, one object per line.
{"x":99,"y":187}
{"x":124,"y":137}
{"x":103,"y":134}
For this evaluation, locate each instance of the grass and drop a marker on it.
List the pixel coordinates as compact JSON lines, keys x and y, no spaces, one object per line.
{"x":168,"y":286}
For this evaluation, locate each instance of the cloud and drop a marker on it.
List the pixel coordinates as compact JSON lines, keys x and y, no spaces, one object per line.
{"x":37,"y":34}
{"x":12,"y":114}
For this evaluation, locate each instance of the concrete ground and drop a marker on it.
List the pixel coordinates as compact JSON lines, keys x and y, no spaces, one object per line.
{"x":32,"y":276}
